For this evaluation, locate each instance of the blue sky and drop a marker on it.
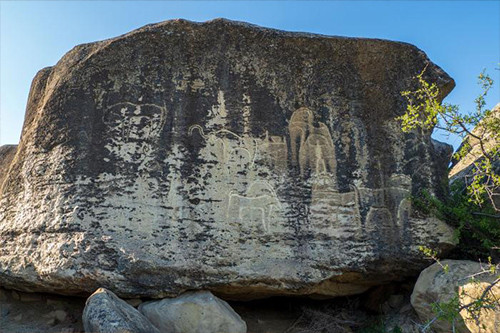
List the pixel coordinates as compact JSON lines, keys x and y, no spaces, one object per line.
{"x":463,"y":37}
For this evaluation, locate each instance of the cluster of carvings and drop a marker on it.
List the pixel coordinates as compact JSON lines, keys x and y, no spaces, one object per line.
{"x":309,"y":148}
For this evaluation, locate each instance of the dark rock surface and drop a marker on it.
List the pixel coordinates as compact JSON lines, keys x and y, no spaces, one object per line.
{"x":221,"y":156}
{"x":34,"y":312}
{"x":105,"y":313}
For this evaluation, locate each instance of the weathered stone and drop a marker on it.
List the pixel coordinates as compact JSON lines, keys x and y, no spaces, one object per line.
{"x":60,"y":315}
{"x":435,"y":285}
{"x":105,"y":313}
{"x":7,"y":153}
{"x":196,"y":312}
{"x":135,"y":302}
{"x":474,"y":152}
{"x":222,"y":156}
{"x":464,"y":168}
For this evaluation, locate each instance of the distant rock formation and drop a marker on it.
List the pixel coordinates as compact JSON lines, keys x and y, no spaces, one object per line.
{"x":223,"y":156}
{"x":7,"y":153}
{"x":463,"y":169}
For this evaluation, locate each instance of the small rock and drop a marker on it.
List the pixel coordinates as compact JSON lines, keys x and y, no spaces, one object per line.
{"x":68,"y":330}
{"x":135,"y":302}
{"x":395,"y":301}
{"x":377,"y":296}
{"x":15,"y":295}
{"x":194,"y":312}
{"x":19,"y":317}
{"x":3,"y":294}
{"x":51,"y":322}
{"x":4,"y":310}
{"x":106,"y":313}
{"x":406,"y":308}
{"x":60,"y":315}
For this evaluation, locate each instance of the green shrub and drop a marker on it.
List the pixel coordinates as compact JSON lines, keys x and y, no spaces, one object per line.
{"x":478,"y":228}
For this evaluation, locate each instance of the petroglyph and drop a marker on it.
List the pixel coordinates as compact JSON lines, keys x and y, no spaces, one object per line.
{"x":314,"y":144}
{"x":228,"y":146}
{"x":136,"y":121}
{"x":274,"y":150}
{"x":298,"y":127}
{"x":400,"y":191}
{"x":328,"y":203}
{"x":391,"y":202}
{"x":133,"y":128}
{"x":259,"y":202}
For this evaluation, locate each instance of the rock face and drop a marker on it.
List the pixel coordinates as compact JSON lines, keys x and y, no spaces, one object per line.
{"x":436,"y":285}
{"x":196,"y":312}
{"x":7,"y":153}
{"x":464,"y":168}
{"x":105,"y":313}
{"x":221,"y":156}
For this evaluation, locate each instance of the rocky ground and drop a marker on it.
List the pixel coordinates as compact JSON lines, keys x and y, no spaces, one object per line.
{"x":31,"y":312}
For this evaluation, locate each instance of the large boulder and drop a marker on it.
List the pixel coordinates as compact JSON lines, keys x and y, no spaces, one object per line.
{"x":196,"y":312}
{"x":221,"y":156}
{"x":461,"y":281}
{"x":106,"y":313}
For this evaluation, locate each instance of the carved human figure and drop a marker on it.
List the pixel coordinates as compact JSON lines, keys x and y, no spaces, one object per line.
{"x":318,"y":151}
{"x":298,"y":127}
{"x":311,"y":146}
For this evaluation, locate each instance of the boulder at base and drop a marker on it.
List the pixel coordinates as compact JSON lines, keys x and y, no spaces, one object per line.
{"x":196,"y":312}
{"x":221,"y":156}
{"x":105,"y":313}
{"x":434,"y":285}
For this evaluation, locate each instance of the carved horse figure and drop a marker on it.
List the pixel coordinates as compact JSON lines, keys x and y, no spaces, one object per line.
{"x":260,"y":198}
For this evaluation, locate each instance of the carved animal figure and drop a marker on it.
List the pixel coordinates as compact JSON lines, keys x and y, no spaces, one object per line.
{"x":259,"y":199}
{"x":227,"y":144}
